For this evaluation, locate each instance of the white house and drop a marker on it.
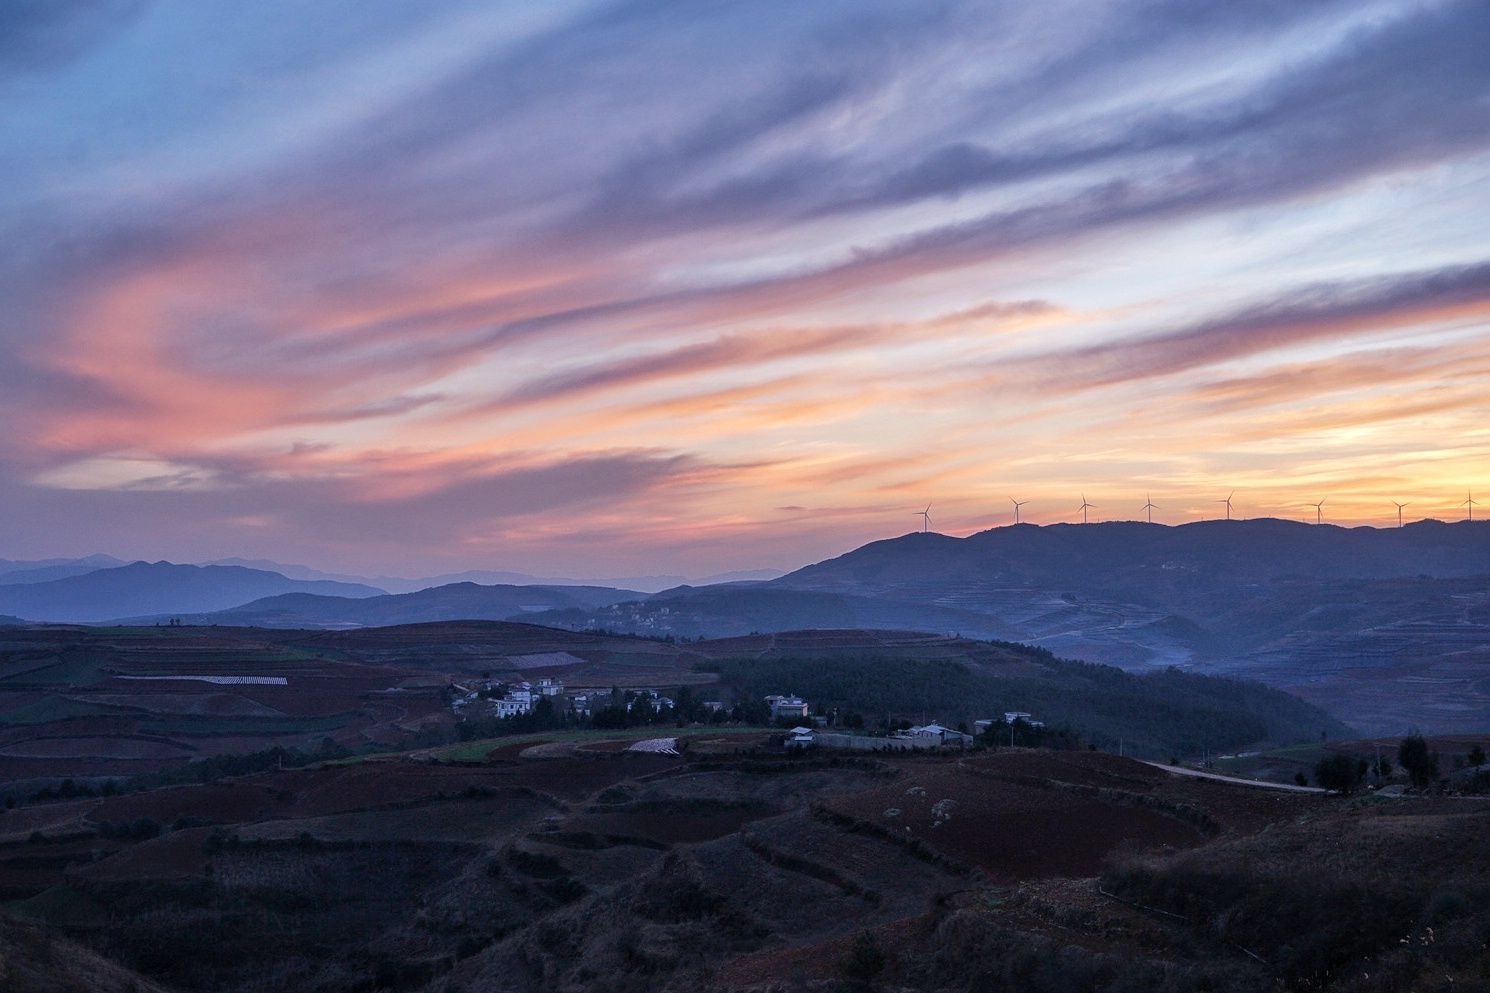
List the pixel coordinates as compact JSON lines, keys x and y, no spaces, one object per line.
{"x":800,"y":737}
{"x":786,"y":706}
{"x":944,"y":735}
{"x":517,"y":701}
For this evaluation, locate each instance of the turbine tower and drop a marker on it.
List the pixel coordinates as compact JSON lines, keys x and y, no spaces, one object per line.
{"x":1149,"y":507}
{"x":925,"y":516}
{"x":1318,"y":511}
{"x":1470,"y":504}
{"x":1399,"y":511}
{"x":1085,"y":507}
{"x":1227,"y":501}
{"x":1017,"y":504}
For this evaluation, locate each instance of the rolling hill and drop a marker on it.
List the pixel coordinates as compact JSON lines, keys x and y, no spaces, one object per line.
{"x":458,"y":601}
{"x":1383,"y":627}
{"x":148,"y":588}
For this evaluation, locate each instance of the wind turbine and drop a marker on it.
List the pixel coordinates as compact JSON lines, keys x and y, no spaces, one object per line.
{"x":1149,"y":507}
{"x":1017,"y":504}
{"x":1399,"y":511}
{"x":1470,"y":504}
{"x":925,"y":516}
{"x":1227,"y":501}
{"x":1085,"y":507}
{"x":1318,"y":511}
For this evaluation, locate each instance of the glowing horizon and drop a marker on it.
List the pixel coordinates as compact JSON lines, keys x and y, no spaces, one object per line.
{"x":602,"y":288}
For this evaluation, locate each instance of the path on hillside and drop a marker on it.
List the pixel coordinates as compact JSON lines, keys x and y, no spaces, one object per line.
{"x":1180,"y":770}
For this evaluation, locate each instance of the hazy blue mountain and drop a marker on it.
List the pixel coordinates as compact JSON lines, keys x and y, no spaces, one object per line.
{"x":1380,"y":626}
{"x":491,"y":577}
{"x":155,"y":588}
{"x":728,"y":610}
{"x":1213,"y":554}
{"x":46,"y":570}
{"x":458,"y":601}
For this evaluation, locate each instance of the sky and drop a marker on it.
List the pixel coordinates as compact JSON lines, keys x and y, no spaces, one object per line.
{"x":594,"y":288}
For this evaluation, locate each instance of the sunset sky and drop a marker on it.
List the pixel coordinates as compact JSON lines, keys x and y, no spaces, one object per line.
{"x":595,"y":288}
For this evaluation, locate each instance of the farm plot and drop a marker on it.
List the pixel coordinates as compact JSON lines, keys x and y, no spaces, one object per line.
{"x":672,"y":821}
{"x":222,"y":803}
{"x":1084,"y":768}
{"x":174,"y":856}
{"x":195,"y":704}
{"x":1011,"y":830}
{"x":460,"y":819}
{"x":52,"y":820}
{"x":82,"y":747}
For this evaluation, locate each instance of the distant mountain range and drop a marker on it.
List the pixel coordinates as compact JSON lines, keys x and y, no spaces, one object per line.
{"x":44,"y":570}
{"x":156,"y":588}
{"x":1382,"y":626}
{"x":489,"y":577}
{"x":455,"y":602}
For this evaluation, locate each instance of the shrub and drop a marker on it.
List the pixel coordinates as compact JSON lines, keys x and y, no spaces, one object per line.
{"x":864,"y":961}
{"x":1339,"y":773}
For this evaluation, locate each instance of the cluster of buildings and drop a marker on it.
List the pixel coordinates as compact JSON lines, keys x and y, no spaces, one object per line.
{"x":494,"y":699}
{"x":922,"y":736}
{"x":503,"y":699}
{"x":1011,"y":717}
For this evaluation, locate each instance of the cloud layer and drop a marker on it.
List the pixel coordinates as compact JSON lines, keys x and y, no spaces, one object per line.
{"x":590,"y":287}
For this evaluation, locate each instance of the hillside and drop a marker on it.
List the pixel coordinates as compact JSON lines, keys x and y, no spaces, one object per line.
{"x":456,"y":602}
{"x":1383,"y":627}
{"x":35,"y":959}
{"x":955,"y":680}
{"x":143,"y":588}
{"x":728,"y":864}
{"x":741,"y":608}
{"x":86,"y":702}
{"x":1152,"y":560}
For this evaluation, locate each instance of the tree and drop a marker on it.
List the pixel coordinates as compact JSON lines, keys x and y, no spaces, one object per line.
{"x":1420,"y":764}
{"x":1477,"y":755}
{"x":1339,"y":773}
{"x":1383,"y":767}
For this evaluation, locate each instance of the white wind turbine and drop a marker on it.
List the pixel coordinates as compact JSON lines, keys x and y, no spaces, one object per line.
{"x":1399,"y":507}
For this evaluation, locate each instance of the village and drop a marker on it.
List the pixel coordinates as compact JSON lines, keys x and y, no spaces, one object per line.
{"x":801,"y":727}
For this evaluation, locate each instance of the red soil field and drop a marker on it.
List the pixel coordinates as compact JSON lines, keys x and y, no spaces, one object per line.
{"x":116,"y":747}
{"x":1013,"y":832}
{"x":178,"y":855}
{"x":227,"y":802}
